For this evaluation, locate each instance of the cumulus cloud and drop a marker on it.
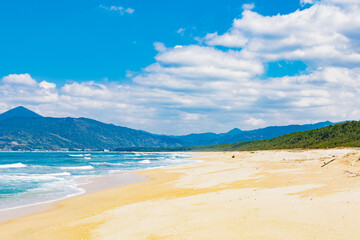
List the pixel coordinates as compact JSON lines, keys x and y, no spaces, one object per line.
{"x":160,"y":47}
{"x":204,"y":87}
{"x":47,"y":85}
{"x":329,"y":93}
{"x":304,"y":2}
{"x":195,"y":67}
{"x":323,"y":34}
{"x":249,"y":6}
{"x":22,"y":88}
{"x":19,"y":79}
{"x":233,"y":39}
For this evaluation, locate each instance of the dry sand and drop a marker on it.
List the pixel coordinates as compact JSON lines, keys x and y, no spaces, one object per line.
{"x":256,"y":195}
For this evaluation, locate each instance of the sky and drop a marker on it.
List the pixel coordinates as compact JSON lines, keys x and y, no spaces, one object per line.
{"x":179,"y":67}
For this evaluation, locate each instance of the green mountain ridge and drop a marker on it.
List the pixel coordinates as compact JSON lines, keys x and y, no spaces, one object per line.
{"x":19,"y":112}
{"x":22,"y":129}
{"x":236,"y":135}
{"x":339,"y":135}
{"x":72,"y":134}
{"x":345,"y":134}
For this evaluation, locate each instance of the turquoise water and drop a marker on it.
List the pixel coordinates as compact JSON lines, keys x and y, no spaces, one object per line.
{"x":32,"y":177}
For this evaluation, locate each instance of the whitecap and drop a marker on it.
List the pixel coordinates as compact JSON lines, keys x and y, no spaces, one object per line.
{"x":60,"y":174}
{"x":99,"y":163}
{"x":76,"y":155}
{"x":28,"y":177}
{"x":14,"y":165}
{"x":145,"y":161}
{"x":107,"y":163}
{"x":78,"y":168}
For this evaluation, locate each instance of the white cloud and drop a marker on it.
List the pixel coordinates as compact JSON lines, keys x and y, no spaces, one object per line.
{"x":47,"y":85}
{"x":199,"y":88}
{"x":189,"y":67}
{"x":22,"y":88}
{"x":304,"y":2}
{"x":160,"y":47}
{"x":328,"y":93}
{"x":341,"y":2}
{"x":118,"y":9}
{"x":197,"y":56}
{"x":255,"y":122}
{"x":20,"y":79}
{"x":181,"y":31}
{"x":232,"y":39}
{"x":325,"y":33}
{"x":191,"y":116}
{"x":130,"y":10}
{"x":249,"y":6}
{"x":87,"y":89}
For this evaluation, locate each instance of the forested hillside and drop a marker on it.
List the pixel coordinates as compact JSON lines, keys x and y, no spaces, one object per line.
{"x":340,"y":135}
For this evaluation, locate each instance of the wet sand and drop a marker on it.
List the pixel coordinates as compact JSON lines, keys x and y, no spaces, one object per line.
{"x":95,"y":184}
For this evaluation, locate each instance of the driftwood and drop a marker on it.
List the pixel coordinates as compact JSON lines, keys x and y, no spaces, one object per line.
{"x":328,"y":162}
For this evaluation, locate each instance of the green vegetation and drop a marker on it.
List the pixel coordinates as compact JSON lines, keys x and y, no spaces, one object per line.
{"x":236,"y":135}
{"x":22,"y":129}
{"x":72,"y":134}
{"x":340,"y":135}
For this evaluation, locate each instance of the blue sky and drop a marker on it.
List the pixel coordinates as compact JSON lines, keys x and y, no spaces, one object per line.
{"x":177,"y":67}
{"x":80,"y":41}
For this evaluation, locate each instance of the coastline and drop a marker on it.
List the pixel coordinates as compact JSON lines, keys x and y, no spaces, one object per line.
{"x":97,"y":183}
{"x":91,"y":184}
{"x":281,"y":194}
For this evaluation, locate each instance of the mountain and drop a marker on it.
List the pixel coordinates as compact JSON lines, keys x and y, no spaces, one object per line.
{"x":233,"y":131}
{"x":345,"y":134}
{"x":19,"y":112}
{"x":25,"y":132}
{"x":22,"y":129}
{"x":236,"y":135}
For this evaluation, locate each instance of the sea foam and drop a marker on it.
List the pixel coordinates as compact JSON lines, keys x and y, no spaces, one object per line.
{"x":29,"y":178}
{"x":78,"y":168}
{"x":107,"y":164}
{"x":145,"y":161}
{"x":60,"y":174}
{"x":14,"y":165}
{"x":76,"y":155}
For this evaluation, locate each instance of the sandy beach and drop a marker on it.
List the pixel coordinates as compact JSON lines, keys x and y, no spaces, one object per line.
{"x":238,"y":195}
{"x":94,"y":184}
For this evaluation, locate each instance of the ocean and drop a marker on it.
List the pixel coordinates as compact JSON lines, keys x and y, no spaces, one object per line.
{"x":28,"y":178}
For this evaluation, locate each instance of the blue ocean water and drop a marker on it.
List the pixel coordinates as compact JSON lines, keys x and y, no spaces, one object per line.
{"x":33,"y":177}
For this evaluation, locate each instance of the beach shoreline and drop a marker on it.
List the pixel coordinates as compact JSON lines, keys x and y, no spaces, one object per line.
{"x":94,"y":184}
{"x":227,"y":196}
{"x":87,"y":184}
